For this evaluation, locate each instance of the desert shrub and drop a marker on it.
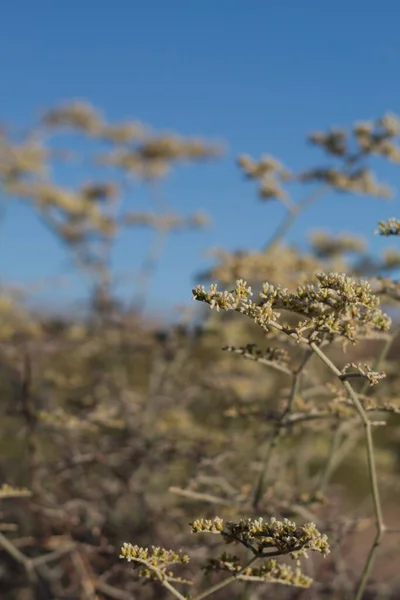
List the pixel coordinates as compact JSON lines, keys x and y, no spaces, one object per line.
{"x":276,"y":435}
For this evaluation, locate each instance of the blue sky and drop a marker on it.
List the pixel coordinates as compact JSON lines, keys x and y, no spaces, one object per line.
{"x":257,"y":74}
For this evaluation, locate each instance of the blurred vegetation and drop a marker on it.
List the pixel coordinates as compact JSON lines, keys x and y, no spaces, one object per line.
{"x":117,"y":430}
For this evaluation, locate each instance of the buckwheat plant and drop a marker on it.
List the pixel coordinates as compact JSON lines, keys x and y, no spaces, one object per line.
{"x":263,"y":540}
{"x":307,"y":318}
{"x":93,"y":404}
{"x":336,"y":306}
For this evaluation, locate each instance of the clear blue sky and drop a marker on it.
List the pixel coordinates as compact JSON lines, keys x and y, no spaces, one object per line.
{"x":255,"y":73}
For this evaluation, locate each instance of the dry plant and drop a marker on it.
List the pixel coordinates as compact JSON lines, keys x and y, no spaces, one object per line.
{"x":118,"y":432}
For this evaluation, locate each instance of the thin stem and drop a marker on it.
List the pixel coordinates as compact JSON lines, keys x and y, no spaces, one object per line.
{"x":306,"y":202}
{"x":368,"y":566}
{"x":292,"y":215}
{"x":260,"y":485}
{"x":329,"y":465}
{"x":380,"y":526}
{"x":173,"y":590}
{"x":28,"y":411}
{"x":368,"y":432}
{"x":264,"y":361}
{"x":112,"y":592}
{"x":162,"y":578}
{"x":19,"y":557}
{"x":225,"y":582}
{"x":381,"y":357}
{"x":199,"y":496}
{"x":148,"y":269}
{"x":154,"y":254}
{"x":350,"y":438}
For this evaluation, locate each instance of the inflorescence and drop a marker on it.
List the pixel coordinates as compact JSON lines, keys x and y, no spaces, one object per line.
{"x":336,"y":305}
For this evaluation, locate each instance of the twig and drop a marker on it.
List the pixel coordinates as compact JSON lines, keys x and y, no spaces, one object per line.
{"x":111,"y":591}
{"x":306,"y":202}
{"x":225,"y":582}
{"x":380,"y":526}
{"x":350,"y":440}
{"x":264,"y":361}
{"x":260,"y":485}
{"x":199,"y":496}
{"x":326,"y":473}
{"x":292,"y":215}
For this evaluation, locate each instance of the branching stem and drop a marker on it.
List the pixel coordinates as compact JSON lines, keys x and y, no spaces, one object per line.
{"x":260,"y":485}
{"x":379,"y":523}
{"x":225,"y":582}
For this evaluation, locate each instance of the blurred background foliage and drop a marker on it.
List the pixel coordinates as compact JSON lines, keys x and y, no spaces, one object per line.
{"x":124,"y":428}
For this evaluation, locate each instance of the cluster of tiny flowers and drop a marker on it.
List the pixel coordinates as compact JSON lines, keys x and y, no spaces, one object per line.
{"x":389,"y":227}
{"x":334,"y":141}
{"x":279,"y":262}
{"x":278,"y":355}
{"x":237,"y":299}
{"x":215,"y":525}
{"x":259,"y":535}
{"x":59,"y":418}
{"x":226,"y":562}
{"x":9,"y":491}
{"x":361,"y":181}
{"x":138,"y":150}
{"x":284,"y":535}
{"x":156,"y":556}
{"x":268,"y":172}
{"x":336,"y":305}
{"x":81,"y":218}
{"x":391,"y":258}
{"x":370,"y":404}
{"x":326,"y":245}
{"x":154,"y":562}
{"x":363,"y":369}
{"x":370,"y":137}
{"x":389,"y":287}
{"x":271,"y":571}
{"x":376,"y":137}
{"x":274,"y":572}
